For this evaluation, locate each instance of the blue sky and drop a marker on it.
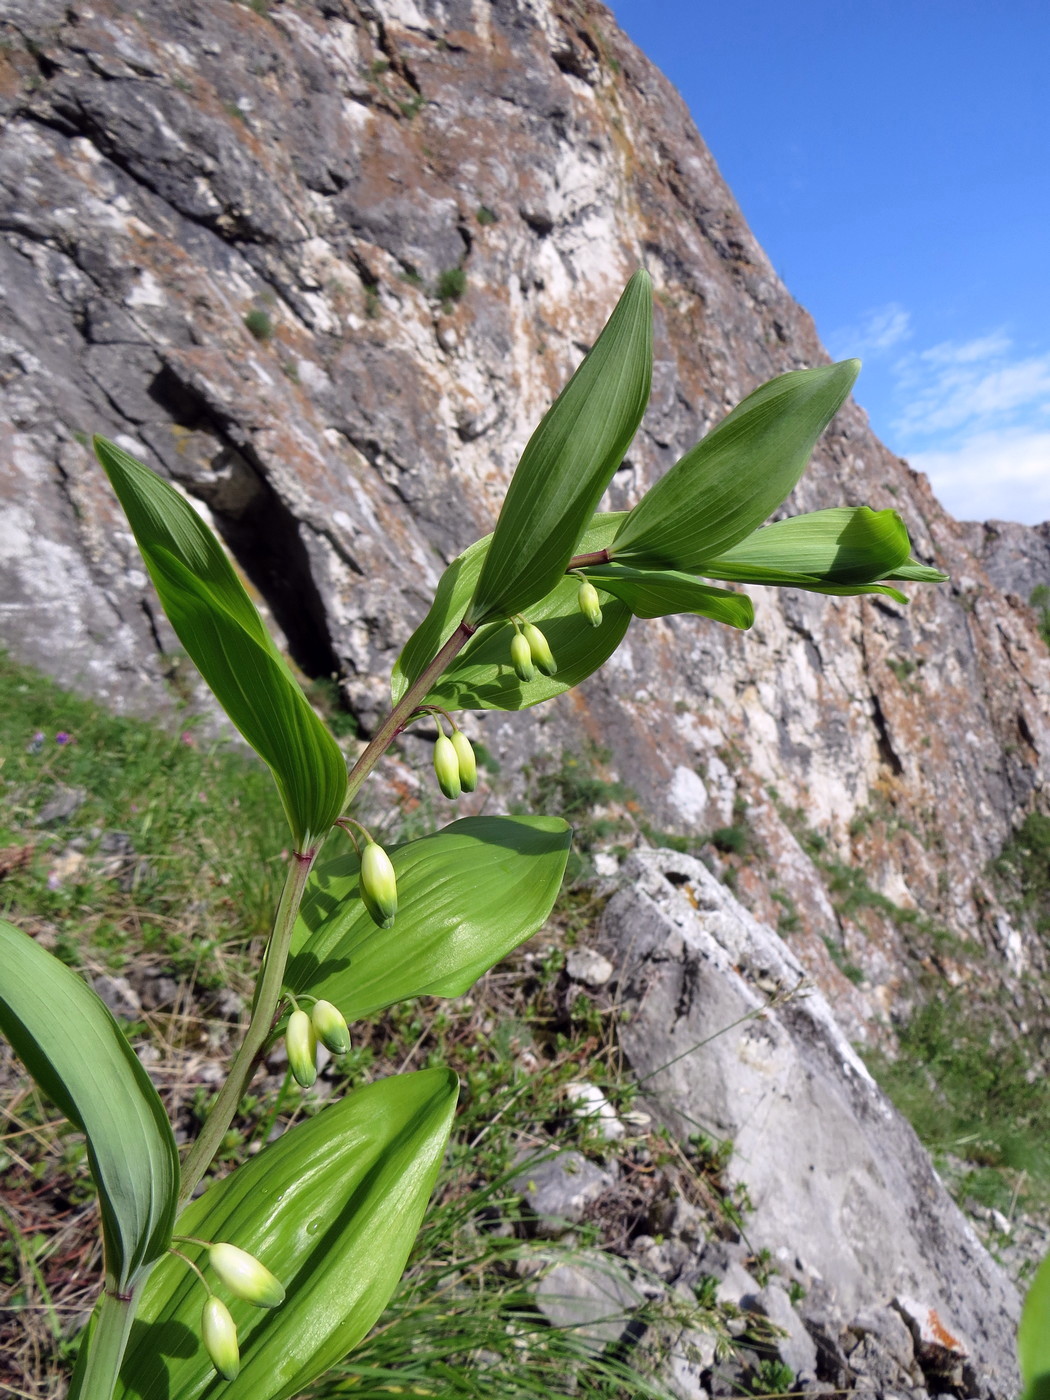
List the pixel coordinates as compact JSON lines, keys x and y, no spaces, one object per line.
{"x":894,"y":161}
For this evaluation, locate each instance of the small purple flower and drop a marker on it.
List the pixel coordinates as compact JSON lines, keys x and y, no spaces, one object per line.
{"x":36,"y":743}
{"x":63,"y":738}
{"x":187,"y":738}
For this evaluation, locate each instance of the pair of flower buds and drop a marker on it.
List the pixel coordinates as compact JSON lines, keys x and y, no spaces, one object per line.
{"x":529,"y":649}
{"x":246,"y":1279}
{"x":455,"y":766}
{"x":324,"y":1023}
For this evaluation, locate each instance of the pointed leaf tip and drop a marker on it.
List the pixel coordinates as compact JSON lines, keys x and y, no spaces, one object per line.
{"x":569,"y":461}
{"x":69,"y":1042}
{"x":224,"y":635}
{"x":735,"y":477}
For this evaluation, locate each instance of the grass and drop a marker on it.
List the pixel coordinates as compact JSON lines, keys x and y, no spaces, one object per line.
{"x":129,"y":850}
{"x":1023,"y":870}
{"x":259,"y":323}
{"x":451,"y":284}
{"x":978,"y":1098}
{"x":972,"y":1083}
{"x":110,"y":827}
{"x":1040,"y":600}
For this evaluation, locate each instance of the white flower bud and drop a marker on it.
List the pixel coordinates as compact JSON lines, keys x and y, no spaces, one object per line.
{"x":541,"y":652}
{"x":588,"y":602}
{"x":245,"y":1277}
{"x":378,"y":885}
{"x":521,"y":658}
{"x":446,"y":766}
{"x":301,"y":1044}
{"x":219,"y":1336}
{"x":330,"y":1027}
{"x":468,"y":764}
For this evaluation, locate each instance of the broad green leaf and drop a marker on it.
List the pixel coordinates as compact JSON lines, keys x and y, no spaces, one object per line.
{"x":481,"y":677}
{"x":1033,"y":1336}
{"x":223,"y":633}
{"x":843,"y":545}
{"x":69,"y":1042}
{"x":661,"y":592}
{"x":737,"y":475}
{"x":466,"y":897}
{"x":332,"y":1209}
{"x":914,"y":572}
{"x":569,"y":461}
{"x":261,"y":699}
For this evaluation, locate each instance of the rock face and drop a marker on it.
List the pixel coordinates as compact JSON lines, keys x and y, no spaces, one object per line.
{"x":727,"y":1039}
{"x":325,"y":266}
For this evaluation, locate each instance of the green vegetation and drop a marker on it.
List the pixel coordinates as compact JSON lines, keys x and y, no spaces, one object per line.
{"x":111,"y":854}
{"x":978,"y":1098}
{"x":259,"y":323}
{"x":1023,"y":868}
{"x":108,"y":828}
{"x":485,"y":216}
{"x":451,"y":284}
{"x":1040,"y":600}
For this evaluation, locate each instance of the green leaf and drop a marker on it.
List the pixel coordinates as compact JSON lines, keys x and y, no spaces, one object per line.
{"x":661,"y":592}
{"x":466,"y":897}
{"x":914,"y":572}
{"x":1033,"y":1336}
{"x":481,"y":676}
{"x":71,"y":1045}
{"x":839,"y":546}
{"x":737,"y":475}
{"x":332,"y":1209}
{"x":569,"y":461}
{"x":223,"y":633}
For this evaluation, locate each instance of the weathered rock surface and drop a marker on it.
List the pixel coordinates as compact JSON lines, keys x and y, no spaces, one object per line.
{"x":170,"y":172}
{"x":729,"y":1039}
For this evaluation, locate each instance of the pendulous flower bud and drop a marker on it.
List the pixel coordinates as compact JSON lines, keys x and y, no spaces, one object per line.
{"x":587,"y":601}
{"x":378,"y":885}
{"x":301,"y":1044}
{"x":330,"y":1027}
{"x":541,"y":652}
{"x":245,"y":1277}
{"x":446,"y":766}
{"x":521,"y":658}
{"x":220,"y":1338}
{"x":468,"y":764}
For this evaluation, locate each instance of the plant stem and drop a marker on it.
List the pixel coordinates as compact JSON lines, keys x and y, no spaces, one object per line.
{"x":107,"y":1344}
{"x":399,"y":715}
{"x":267,"y":996}
{"x":580,"y":561}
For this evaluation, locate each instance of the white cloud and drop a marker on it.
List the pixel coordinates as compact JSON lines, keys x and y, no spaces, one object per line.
{"x":879,"y":330}
{"x":973,"y":385}
{"x":992,"y":475}
{"x":954,"y":352}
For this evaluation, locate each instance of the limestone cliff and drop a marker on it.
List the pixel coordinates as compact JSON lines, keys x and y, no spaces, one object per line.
{"x":325,"y":264}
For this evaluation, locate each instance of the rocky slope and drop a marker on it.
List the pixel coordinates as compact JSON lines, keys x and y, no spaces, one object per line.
{"x":325,"y":265}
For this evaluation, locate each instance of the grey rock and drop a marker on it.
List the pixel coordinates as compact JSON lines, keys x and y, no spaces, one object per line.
{"x":119,"y":995}
{"x":559,"y":1190}
{"x":369,"y":437}
{"x":159,"y":992}
{"x":691,"y":1358}
{"x":588,"y":966}
{"x":796,"y":1347}
{"x":593,"y":1297}
{"x":591,"y":1105}
{"x":828,"y":1162}
{"x":64,"y":802}
{"x":891,"y":1332}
